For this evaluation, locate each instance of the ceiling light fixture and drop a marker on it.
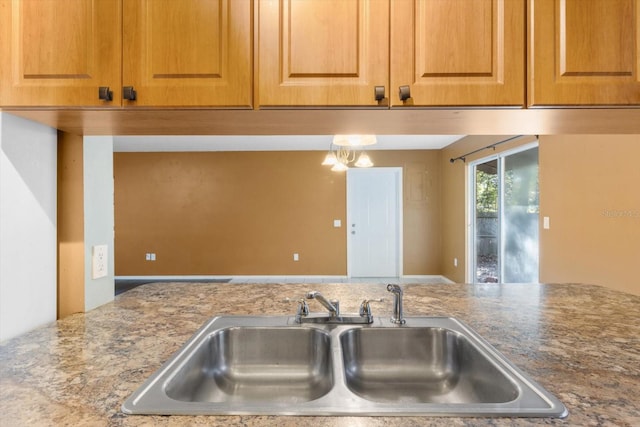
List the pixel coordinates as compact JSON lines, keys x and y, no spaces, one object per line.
{"x":345,"y":152}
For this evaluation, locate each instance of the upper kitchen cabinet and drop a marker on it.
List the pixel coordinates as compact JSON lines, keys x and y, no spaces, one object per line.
{"x":322,"y":52}
{"x":187,"y":53}
{"x":584,"y":52}
{"x":59,"y":52}
{"x":458,"y":52}
{"x":443,"y":53}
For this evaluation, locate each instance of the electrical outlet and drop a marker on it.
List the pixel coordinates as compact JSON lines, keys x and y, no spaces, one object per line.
{"x":147,"y":256}
{"x":296,"y":257}
{"x":545,"y":222}
{"x":455,"y":262}
{"x":153,"y":257}
{"x":99,"y":259}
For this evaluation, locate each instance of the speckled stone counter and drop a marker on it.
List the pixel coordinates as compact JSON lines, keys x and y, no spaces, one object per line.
{"x":580,"y":342}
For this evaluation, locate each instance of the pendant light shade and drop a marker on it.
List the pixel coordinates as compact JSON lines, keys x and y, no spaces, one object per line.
{"x":330,"y":159}
{"x":339,"y":167}
{"x":363,"y":161}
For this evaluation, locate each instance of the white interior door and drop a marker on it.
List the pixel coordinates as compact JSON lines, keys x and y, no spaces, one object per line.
{"x":374,"y":207}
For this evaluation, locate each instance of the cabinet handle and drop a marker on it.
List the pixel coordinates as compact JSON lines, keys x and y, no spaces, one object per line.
{"x":379,"y":93}
{"x":405,"y":93}
{"x":105,"y":94}
{"x":129,"y":93}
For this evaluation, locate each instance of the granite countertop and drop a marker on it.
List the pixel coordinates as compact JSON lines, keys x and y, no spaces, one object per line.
{"x":580,"y":342}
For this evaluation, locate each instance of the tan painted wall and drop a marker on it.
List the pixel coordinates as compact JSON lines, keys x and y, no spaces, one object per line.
{"x":590,"y":190}
{"x":70,"y":225}
{"x":246,"y":213}
{"x":421,"y":185}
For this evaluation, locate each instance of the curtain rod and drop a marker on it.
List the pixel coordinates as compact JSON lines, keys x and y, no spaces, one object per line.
{"x":494,"y":145}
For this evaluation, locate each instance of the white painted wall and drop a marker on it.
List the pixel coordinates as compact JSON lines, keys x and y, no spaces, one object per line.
{"x":28,"y":180}
{"x":98,"y":216}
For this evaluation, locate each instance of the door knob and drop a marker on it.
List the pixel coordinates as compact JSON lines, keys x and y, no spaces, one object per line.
{"x":129,"y":93}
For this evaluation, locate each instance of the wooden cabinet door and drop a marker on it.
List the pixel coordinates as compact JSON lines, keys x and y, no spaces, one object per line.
{"x":458,"y":52}
{"x":59,"y":52}
{"x":322,"y":52}
{"x":584,"y":52}
{"x":188,"y":52}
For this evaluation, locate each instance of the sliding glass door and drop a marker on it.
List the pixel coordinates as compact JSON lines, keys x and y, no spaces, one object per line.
{"x":486,"y":222}
{"x":520,"y":211}
{"x":504,"y":218}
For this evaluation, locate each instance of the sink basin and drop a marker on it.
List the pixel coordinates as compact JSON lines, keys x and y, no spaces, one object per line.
{"x":254,"y":364}
{"x":271,"y":365}
{"x":437,"y":366}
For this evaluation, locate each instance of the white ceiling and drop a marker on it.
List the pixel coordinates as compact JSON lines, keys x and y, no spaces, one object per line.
{"x":272,"y":143}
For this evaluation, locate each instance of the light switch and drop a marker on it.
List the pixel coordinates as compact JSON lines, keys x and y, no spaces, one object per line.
{"x":545,"y":222}
{"x":337,"y":223}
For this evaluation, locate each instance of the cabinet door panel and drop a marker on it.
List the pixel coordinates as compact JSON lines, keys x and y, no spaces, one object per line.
{"x":322,"y":52}
{"x":584,"y":52}
{"x":188,"y":52}
{"x":458,"y":52}
{"x":58,"y":52}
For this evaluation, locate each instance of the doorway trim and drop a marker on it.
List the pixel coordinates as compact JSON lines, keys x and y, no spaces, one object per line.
{"x":470,"y":196}
{"x":398,"y":173}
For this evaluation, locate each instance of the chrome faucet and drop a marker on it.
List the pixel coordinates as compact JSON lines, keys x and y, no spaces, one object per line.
{"x":397,"y":304}
{"x":333,"y":306}
{"x":333,"y":317}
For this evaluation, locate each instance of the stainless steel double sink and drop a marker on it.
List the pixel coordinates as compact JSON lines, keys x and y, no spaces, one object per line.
{"x":268,"y":365}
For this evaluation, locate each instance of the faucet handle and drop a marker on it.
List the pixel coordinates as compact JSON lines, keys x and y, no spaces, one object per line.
{"x":302,"y":311}
{"x":303,"y":307}
{"x":365,"y":306}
